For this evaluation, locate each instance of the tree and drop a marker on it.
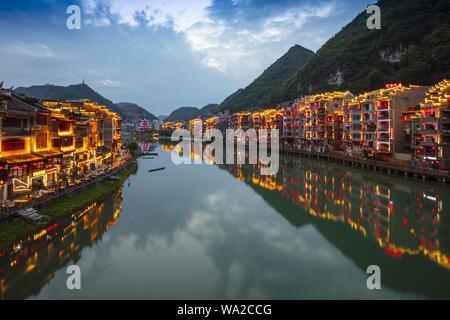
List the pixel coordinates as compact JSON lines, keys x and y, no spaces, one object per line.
{"x":62,"y":176}
{"x":133,"y":147}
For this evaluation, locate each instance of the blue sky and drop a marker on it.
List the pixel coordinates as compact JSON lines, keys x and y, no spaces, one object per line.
{"x":160,"y":54}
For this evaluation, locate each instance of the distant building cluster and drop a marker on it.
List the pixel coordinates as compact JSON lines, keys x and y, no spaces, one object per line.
{"x":131,"y":128}
{"x":40,"y":140}
{"x":409,"y":123}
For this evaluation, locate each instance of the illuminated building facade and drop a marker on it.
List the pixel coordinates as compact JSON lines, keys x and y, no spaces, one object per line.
{"x":431,"y":134}
{"x":144,"y":126}
{"x":41,"y":139}
{"x":382,"y":128}
{"x":398,"y":121}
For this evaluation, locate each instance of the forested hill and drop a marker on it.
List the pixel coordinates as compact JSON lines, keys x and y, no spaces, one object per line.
{"x":412,"y":46}
{"x":257,"y":94}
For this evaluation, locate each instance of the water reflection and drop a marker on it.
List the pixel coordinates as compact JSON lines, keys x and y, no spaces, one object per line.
{"x":225,"y":232}
{"x":402,"y":224}
{"x":146,"y":146}
{"x":29,"y":265}
{"x":402,"y":219}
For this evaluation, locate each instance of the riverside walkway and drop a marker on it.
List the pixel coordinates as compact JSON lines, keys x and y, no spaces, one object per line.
{"x":67,"y":191}
{"x":375,"y":165}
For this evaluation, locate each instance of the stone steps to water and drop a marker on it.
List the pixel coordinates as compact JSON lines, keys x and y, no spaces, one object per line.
{"x":30,"y":214}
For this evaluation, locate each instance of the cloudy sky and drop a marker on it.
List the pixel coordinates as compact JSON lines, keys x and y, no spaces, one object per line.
{"x":160,"y":54}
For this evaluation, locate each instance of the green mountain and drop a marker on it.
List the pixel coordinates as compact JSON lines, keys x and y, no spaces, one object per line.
{"x":412,"y":46}
{"x":134,"y":112}
{"x":258,"y":93}
{"x":182,"y":114}
{"x":189,"y":113}
{"x":75,"y":91}
{"x":207,"y":110}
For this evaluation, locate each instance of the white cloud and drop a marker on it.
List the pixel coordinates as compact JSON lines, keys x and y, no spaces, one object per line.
{"x":234,"y":46}
{"x":109,"y":83}
{"x":34,"y":50}
{"x":180,"y":14}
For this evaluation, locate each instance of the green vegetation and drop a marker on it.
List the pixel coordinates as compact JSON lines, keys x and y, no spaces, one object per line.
{"x":134,"y":112}
{"x":165,"y":133}
{"x":412,"y":47}
{"x":11,"y":232}
{"x":75,"y":91}
{"x":182,"y":114}
{"x":67,"y":205}
{"x":258,"y":93}
{"x":208,"y":109}
{"x":189,"y":113}
{"x":133,"y":147}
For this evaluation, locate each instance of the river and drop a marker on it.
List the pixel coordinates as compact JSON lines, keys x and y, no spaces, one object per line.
{"x":225,"y":232}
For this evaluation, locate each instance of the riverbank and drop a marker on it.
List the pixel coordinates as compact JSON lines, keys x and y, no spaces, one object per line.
{"x":13,"y":231}
{"x":388,"y":167}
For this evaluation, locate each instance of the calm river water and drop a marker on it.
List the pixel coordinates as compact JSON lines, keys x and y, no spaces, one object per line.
{"x":224,"y":232}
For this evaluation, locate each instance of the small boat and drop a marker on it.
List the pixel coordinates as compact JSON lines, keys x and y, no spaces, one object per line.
{"x":157,"y":169}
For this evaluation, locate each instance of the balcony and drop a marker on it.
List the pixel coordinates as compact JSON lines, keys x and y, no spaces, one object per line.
{"x":428,"y":119}
{"x":383,"y":138}
{"x":369,"y":137}
{"x":428,"y":131}
{"x":429,"y":143}
{"x":369,"y":120}
{"x":16,"y":132}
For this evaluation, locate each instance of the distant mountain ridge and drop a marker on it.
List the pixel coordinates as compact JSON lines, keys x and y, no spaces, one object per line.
{"x":189,"y":113}
{"x":182,"y":114}
{"x":74,"y":91}
{"x":133,"y":111}
{"x":128,"y":111}
{"x":257,"y":94}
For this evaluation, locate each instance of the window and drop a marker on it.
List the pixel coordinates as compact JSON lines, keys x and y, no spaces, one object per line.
{"x":54,"y":126}
{"x":12,"y":122}
{"x":41,"y":141}
{"x":41,"y":120}
{"x":56,"y":143}
{"x":79,"y":143}
{"x":64,"y":126}
{"x":67,"y":142}
{"x":12,"y":145}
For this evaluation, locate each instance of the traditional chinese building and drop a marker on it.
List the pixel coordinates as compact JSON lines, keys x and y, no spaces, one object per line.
{"x":431,"y":139}
{"x":41,"y":139}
